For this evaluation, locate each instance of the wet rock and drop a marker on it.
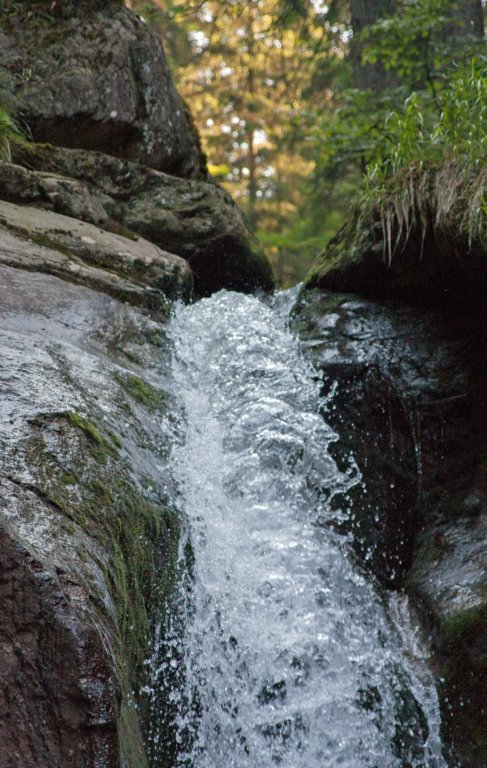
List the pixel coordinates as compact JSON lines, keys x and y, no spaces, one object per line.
{"x":94,"y":76}
{"x":196,"y":220}
{"x":448,"y":580}
{"x":391,"y":374}
{"x":88,"y":542}
{"x":134,"y":270}
{"x":59,"y":698}
{"x":405,"y":388}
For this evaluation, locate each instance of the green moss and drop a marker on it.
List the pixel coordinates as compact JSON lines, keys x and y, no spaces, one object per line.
{"x":131,"y":738}
{"x":118,"y":229}
{"x":48,"y":242}
{"x":141,"y":391}
{"x":101,"y":448}
{"x":100,"y":490}
{"x":68,"y":479}
{"x":460,"y":627}
{"x":142,"y":540}
{"x":170,"y":570}
{"x":69,"y":527}
{"x":155,"y":338}
{"x":115,"y":439}
{"x":55,"y":501}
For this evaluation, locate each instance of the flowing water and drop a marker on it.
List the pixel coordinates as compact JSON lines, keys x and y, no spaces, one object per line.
{"x":283,"y":652}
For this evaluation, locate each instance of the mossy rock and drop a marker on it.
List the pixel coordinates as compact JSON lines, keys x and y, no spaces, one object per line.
{"x":105,"y":514}
{"x":412,"y":242}
{"x":79,"y":87}
{"x":101,"y":447}
{"x":462,"y":648}
{"x":141,"y":391}
{"x":86,"y":522}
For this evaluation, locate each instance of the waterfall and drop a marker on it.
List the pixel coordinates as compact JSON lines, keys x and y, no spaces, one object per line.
{"x":281,"y":651}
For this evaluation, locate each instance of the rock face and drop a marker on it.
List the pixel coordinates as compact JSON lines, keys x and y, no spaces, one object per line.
{"x":196,"y":220}
{"x":87,"y":539}
{"x":135,"y":270}
{"x":92,"y":76}
{"x":399,"y":376}
{"x":96,"y":78}
{"x":410,"y":371}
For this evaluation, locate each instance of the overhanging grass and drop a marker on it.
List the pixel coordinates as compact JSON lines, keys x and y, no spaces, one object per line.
{"x":443,"y":204}
{"x":446,"y":200}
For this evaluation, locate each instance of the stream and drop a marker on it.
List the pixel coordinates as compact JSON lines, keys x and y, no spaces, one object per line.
{"x":281,"y":649}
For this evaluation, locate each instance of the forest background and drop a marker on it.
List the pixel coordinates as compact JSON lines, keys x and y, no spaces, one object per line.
{"x":306,"y":107}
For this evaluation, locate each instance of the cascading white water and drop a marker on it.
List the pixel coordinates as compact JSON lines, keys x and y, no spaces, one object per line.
{"x":289,"y":656}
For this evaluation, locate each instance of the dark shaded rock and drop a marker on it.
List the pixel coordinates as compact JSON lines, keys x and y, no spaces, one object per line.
{"x":88,"y":542}
{"x":59,"y":698}
{"x":410,"y":407}
{"x":396,"y":374}
{"x":422,"y":239}
{"x":197,"y":220}
{"x":95,"y":77}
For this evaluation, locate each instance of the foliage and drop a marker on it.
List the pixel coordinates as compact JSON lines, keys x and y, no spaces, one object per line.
{"x":435,"y":113}
{"x":427,"y":180}
{"x":457,"y":140}
{"x":430,"y":183}
{"x":420,"y":42}
{"x":10,"y":134}
{"x":247,"y":70}
{"x":413,"y":43}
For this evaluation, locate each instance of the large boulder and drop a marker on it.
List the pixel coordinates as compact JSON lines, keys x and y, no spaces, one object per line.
{"x":94,"y":76}
{"x":88,"y":541}
{"x":91,"y":79}
{"x":194,"y":219}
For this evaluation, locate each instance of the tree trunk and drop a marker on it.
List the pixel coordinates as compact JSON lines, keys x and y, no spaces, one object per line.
{"x":251,"y":153}
{"x":467,"y":20}
{"x":470,"y":17}
{"x":363,"y":13}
